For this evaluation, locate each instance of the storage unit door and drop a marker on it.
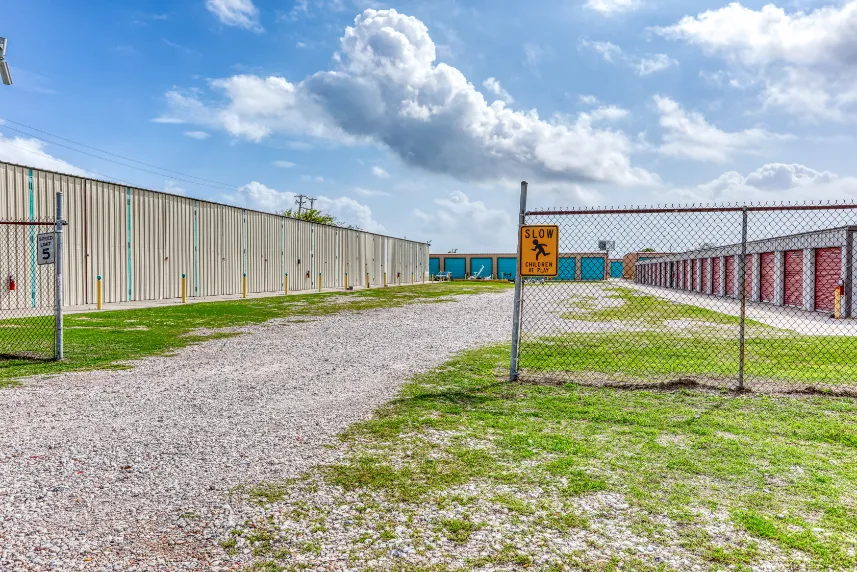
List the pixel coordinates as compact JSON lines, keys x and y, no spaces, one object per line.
{"x":687,"y":278}
{"x":767,"y":277}
{"x":434,"y":266}
{"x":706,"y":285}
{"x":507,"y":268}
{"x":793,"y":290}
{"x":483,"y":267}
{"x":828,"y":269}
{"x":715,"y":276}
{"x":567,"y":268}
{"x":616,"y":269}
{"x":748,"y":276}
{"x":592,"y":268}
{"x":454,"y":266}
{"x":730,"y":275}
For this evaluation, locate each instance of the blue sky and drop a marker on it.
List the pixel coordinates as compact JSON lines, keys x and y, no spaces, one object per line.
{"x":419,"y":119}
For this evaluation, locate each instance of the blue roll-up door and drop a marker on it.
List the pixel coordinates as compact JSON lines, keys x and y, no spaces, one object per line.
{"x":485,"y":264}
{"x":616,"y":269}
{"x":567,"y":269}
{"x":592,"y":268}
{"x":434,"y":266}
{"x":507,"y":268}
{"x":455,"y":266}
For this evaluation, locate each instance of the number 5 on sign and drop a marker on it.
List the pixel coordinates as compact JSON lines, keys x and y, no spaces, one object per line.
{"x":539,"y":247}
{"x":45,"y":248}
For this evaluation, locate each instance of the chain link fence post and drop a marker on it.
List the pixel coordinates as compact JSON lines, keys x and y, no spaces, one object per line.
{"x":516,"y":316}
{"x":58,"y":285}
{"x":742,"y":282}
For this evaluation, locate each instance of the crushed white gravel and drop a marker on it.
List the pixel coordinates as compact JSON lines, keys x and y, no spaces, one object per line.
{"x":132,"y":470}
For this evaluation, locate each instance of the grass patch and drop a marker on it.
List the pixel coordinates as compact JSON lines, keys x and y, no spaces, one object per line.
{"x":706,"y":347}
{"x":100,"y":340}
{"x":678,"y":455}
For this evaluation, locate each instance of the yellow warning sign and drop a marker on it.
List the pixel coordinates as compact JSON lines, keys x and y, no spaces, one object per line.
{"x":539,"y":245}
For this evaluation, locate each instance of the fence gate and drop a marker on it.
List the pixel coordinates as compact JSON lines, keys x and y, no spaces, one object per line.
{"x":757,"y":297}
{"x":28,"y":290}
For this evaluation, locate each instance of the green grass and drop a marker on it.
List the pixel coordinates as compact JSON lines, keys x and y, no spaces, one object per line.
{"x":707,"y":347}
{"x":99,"y":340}
{"x":781,"y":470}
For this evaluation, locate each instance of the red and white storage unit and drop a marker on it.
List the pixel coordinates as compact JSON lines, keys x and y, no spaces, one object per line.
{"x":799,"y":270}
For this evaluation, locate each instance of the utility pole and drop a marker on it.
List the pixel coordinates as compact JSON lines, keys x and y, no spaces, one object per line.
{"x":299,"y":200}
{"x":311,"y":202}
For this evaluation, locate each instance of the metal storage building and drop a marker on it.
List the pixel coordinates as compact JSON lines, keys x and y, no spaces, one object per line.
{"x":572,"y":265}
{"x":142,"y":241}
{"x":798,"y":270}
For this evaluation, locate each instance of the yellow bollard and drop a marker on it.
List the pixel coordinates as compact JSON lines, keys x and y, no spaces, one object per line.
{"x":244,"y":286}
{"x":286,"y":284}
{"x":346,"y":280}
{"x":319,"y":281}
{"x":385,"y":279}
{"x":837,"y":302}
{"x":98,"y":293}
{"x":399,"y":278}
{"x":431,"y":277}
{"x":412,"y":277}
{"x":367,"y":280}
{"x":184,"y":288}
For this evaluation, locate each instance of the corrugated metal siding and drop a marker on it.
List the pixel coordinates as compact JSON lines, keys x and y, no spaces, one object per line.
{"x":142,"y":241}
{"x":730,"y":275}
{"x":748,"y":276}
{"x":793,"y":287}
{"x":828,"y":271}
{"x":715,"y":276}
{"x":766,"y":263}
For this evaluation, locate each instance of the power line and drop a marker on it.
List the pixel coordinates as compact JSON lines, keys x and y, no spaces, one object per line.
{"x":219,"y":185}
{"x":97,"y":174}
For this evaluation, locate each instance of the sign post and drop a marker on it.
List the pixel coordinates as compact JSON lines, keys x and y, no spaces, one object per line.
{"x":539,"y":248}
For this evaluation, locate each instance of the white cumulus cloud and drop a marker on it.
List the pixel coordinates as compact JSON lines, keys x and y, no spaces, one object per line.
{"x":654,"y":64}
{"x":258,"y":196}
{"x":493,"y":86}
{"x":609,"y":7}
{"x":687,"y":134}
{"x":476,"y":226}
{"x":803,"y":61}
{"x":200,"y":135}
{"x":379,"y":172}
{"x":238,"y":13}
{"x":773,"y":182}
{"x":32,"y":153}
{"x":284,"y":164}
{"x":387,"y":88}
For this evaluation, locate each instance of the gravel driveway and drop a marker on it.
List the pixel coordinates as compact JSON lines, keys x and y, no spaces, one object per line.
{"x":131,"y":470}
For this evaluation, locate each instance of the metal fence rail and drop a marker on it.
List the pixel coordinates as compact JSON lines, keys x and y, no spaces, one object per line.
{"x":27,"y":292}
{"x":755,"y":297}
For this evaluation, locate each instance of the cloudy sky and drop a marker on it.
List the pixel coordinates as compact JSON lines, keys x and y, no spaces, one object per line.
{"x":420,"y":119}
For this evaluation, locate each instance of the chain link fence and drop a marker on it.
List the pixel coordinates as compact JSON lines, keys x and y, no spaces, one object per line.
{"x":756,"y":297}
{"x":27,"y":291}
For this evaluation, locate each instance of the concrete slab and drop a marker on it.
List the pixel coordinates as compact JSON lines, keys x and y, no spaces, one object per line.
{"x":784,"y":317}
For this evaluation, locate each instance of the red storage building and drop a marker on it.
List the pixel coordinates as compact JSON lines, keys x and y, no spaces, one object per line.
{"x":766,"y":285}
{"x":828,"y":268}
{"x":715,"y":276}
{"x":748,"y":276}
{"x":799,"y":270}
{"x":793,"y":286}
{"x":730,"y":275}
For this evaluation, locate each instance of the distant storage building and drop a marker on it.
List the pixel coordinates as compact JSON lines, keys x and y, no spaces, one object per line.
{"x":799,"y":270}
{"x":572,"y":265}
{"x":141,"y":242}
